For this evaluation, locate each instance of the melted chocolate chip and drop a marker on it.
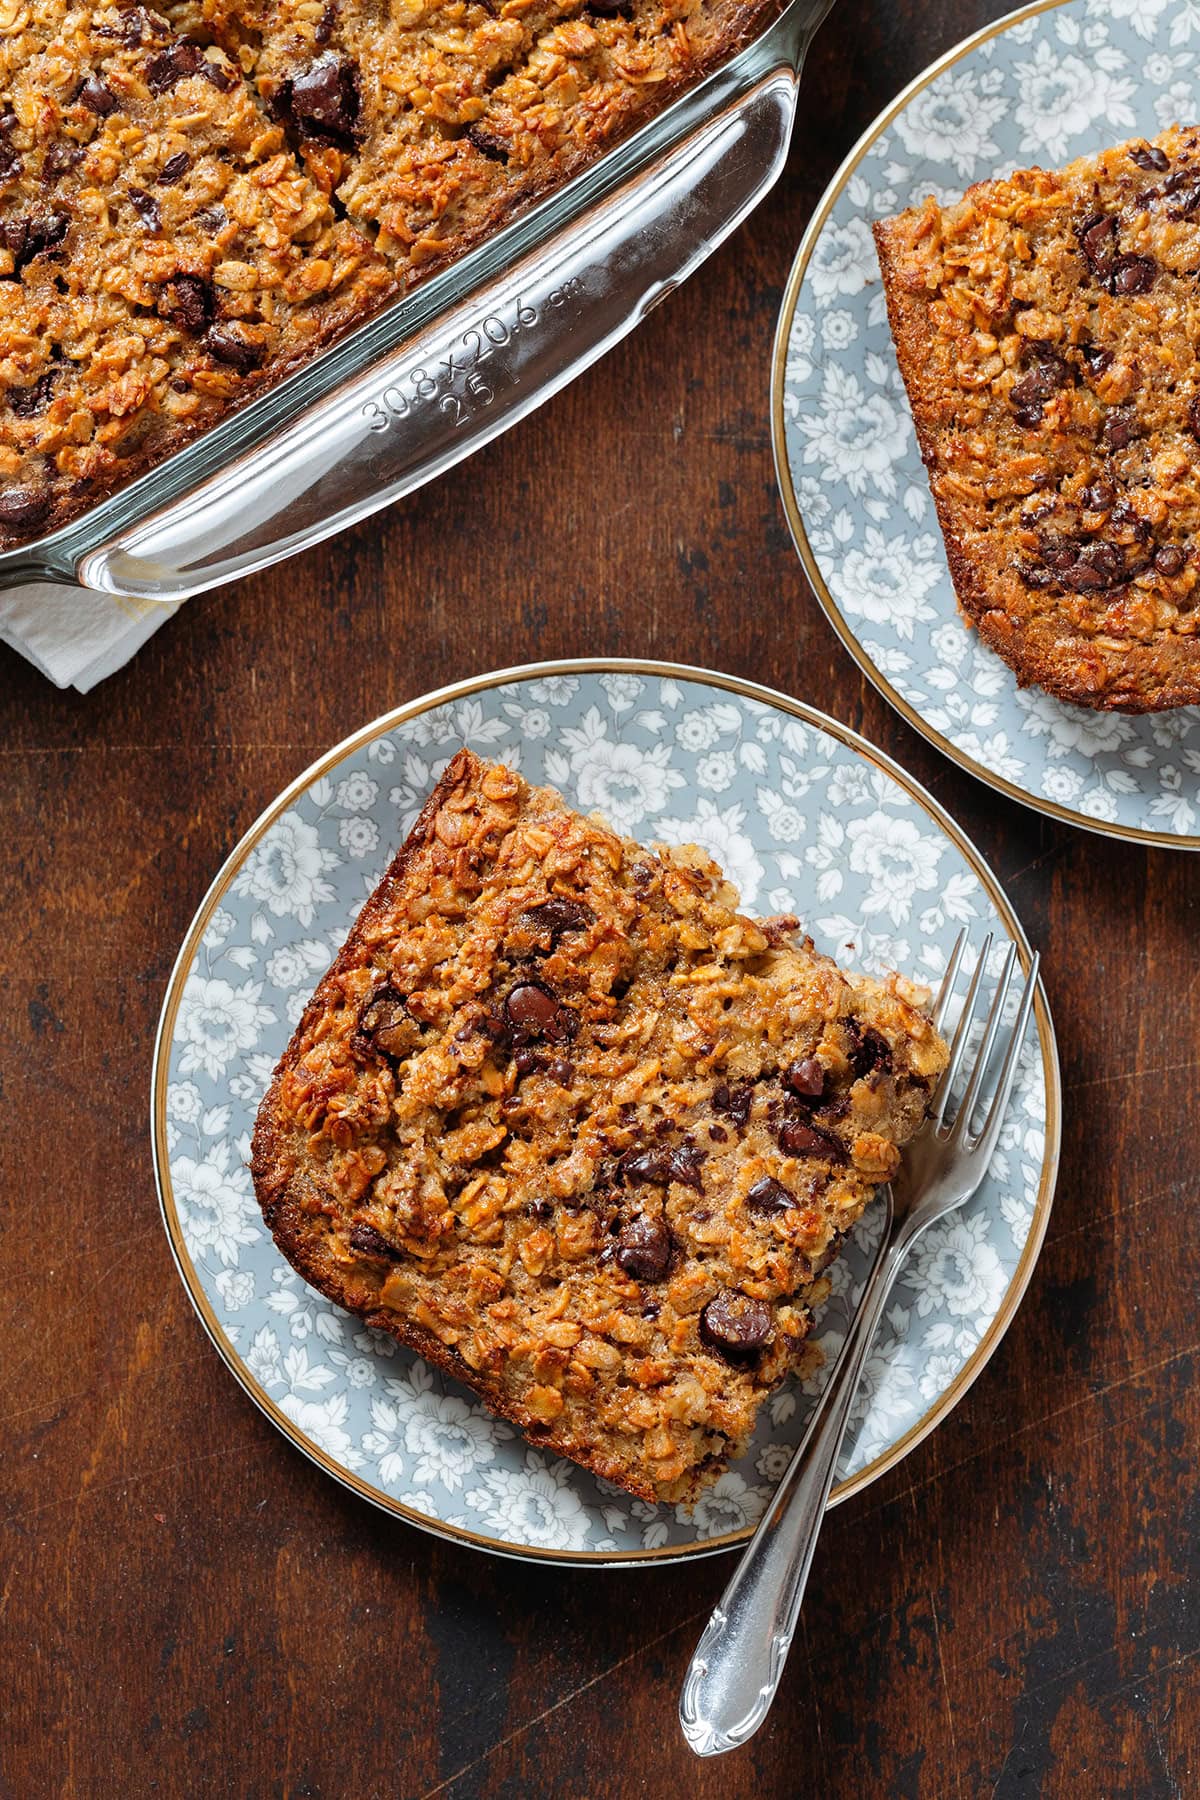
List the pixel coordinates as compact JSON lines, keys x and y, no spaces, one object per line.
{"x":487,"y":143}
{"x":11,"y":163}
{"x":526,"y":1061}
{"x":1185,"y":196}
{"x":769,"y":1196}
{"x":23,"y":507}
{"x":173,"y":65}
{"x":228,"y":346}
{"x":685,"y":1162}
{"x":555,"y":917}
{"x":735,"y":1325}
{"x":1097,"y":360}
{"x":97,"y":96}
{"x":146,"y":208}
{"x":1135,"y":274}
{"x":539,"y":1209}
{"x":174,"y":169}
{"x":734,"y":1099}
{"x":33,"y":235}
{"x":1149,"y":156}
{"x":325,"y":24}
{"x":644,"y":1249}
{"x":58,"y":159}
{"x":384,"y":1023}
{"x":1098,"y":497}
{"x":869,"y":1050}
{"x":799,"y":1138}
{"x":323,"y":99}
{"x":805,"y":1079}
{"x":366,"y":1241}
{"x":28,"y":402}
{"x":1121,"y":426}
{"x":1047,"y":374}
{"x":533,"y":1012}
{"x":1098,"y":241}
{"x":187,"y":301}
{"x":1169,"y":559}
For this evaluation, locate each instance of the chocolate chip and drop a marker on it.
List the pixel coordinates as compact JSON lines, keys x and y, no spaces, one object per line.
{"x":28,"y":402}
{"x":384,"y":1023}
{"x":228,"y":346}
{"x":1126,"y":517}
{"x":868,"y":1049}
{"x":218,"y":76}
{"x":734,"y":1100}
{"x":1121,"y":426}
{"x":187,"y":301}
{"x":1098,"y":241}
{"x":366,"y":1241}
{"x":1047,"y":374}
{"x":136,"y":27}
{"x":532,"y":1011}
{"x":799,"y":1138}
{"x":325,"y":24}
{"x":1098,"y":497}
{"x":23,"y":507}
{"x":323,"y":99}
{"x":539,"y":1209}
{"x":644,"y":1249}
{"x":527,"y":1061}
{"x":805,"y":1079}
{"x":97,"y":96}
{"x":1097,"y":360}
{"x":610,"y":9}
{"x":685,"y":1163}
{"x":33,"y":235}
{"x":1185,"y":196}
{"x":769,"y":1196}
{"x":11,"y":163}
{"x":646,"y":1165}
{"x":487,"y":143}
{"x":1169,"y":559}
{"x":146,"y":208}
{"x":553,"y":918}
{"x":1134,"y":274}
{"x":59,"y":158}
{"x":173,"y":169}
{"x":1149,"y":156}
{"x":173,"y":65}
{"x":560,"y":1070}
{"x":735,"y":1325}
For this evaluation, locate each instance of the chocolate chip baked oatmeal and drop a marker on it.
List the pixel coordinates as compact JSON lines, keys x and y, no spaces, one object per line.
{"x":191,"y":205}
{"x":562,"y":1121}
{"x":1048,"y":332}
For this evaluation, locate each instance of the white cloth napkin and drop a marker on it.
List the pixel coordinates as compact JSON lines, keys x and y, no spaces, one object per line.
{"x":76,"y":637}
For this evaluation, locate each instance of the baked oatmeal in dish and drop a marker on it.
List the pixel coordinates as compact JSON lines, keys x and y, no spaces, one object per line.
{"x":565,"y":1123}
{"x":195,"y":201}
{"x":161,"y":252}
{"x":1048,"y":331}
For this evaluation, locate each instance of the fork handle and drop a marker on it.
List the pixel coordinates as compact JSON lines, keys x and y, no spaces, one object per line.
{"x":737,"y":1665}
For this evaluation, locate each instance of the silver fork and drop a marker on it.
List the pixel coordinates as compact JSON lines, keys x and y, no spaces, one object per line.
{"x":737,"y":1665}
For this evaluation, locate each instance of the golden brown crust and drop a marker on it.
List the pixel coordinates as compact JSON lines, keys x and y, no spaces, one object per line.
{"x":1046,"y":330}
{"x":560,"y":1120}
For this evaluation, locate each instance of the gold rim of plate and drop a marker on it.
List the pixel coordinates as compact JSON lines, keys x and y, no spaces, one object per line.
{"x":791,"y":506}
{"x":459,"y":691}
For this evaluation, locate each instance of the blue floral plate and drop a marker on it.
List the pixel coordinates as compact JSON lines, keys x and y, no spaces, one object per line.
{"x":1047,"y":83}
{"x":806,"y":818}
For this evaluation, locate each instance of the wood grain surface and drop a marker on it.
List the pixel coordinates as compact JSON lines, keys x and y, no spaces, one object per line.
{"x":187,"y":1606}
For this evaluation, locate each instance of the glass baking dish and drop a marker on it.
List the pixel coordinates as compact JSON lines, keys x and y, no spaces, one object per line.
{"x":443,"y":371}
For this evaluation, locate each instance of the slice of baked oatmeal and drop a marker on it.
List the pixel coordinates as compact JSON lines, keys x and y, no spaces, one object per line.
{"x":563,"y":1121}
{"x":1048,"y":334}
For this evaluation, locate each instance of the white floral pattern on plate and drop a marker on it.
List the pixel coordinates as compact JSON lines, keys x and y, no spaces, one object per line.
{"x":1046,"y":87}
{"x":806,"y":823}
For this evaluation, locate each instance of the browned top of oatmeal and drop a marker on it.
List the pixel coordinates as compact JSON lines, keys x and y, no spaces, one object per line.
{"x":564,"y":1121}
{"x":1047,"y":328}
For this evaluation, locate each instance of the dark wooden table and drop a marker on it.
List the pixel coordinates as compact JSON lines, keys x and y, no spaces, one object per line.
{"x":187,"y":1606}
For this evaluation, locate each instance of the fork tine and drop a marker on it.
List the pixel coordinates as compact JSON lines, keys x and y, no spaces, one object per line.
{"x":962,"y":1123}
{"x":959,"y":1042}
{"x":985,"y":1143}
{"x":946,"y":992}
